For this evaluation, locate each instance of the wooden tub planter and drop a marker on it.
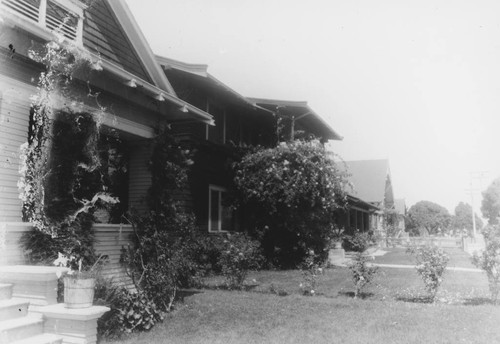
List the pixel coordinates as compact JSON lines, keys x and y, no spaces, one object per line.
{"x":78,"y":291}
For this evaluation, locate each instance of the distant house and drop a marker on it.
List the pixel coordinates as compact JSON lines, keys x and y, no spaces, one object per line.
{"x":371,"y":193}
{"x":298,"y":120}
{"x":134,"y":95}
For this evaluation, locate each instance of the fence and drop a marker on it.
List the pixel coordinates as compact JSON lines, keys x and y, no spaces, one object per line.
{"x":445,"y":242}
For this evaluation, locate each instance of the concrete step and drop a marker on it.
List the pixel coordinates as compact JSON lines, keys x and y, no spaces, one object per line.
{"x":20,"y":328}
{"x":5,"y":291}
{"x":13,"y":308}
{"x":45,"y":338}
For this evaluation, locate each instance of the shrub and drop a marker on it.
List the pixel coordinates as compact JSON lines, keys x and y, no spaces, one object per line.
{"x":358,"y":242}
{"x":489,"y":261}
{"x":161,"y":259}
{"x":137,"y":312}
{"x":288,"y":194}
{"x":239,"y":254}
{"x":362,"y":273}
{"x":311,"y":269}
{"x":431,"y":264}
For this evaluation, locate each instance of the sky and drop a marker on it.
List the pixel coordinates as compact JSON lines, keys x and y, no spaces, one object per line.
{"x":415,"y":82}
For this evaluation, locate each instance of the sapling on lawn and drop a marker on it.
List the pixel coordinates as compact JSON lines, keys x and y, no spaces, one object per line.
{"x":362,"y":273}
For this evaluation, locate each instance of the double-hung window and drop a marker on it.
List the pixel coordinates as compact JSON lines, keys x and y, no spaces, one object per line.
{"x":220,"y":214}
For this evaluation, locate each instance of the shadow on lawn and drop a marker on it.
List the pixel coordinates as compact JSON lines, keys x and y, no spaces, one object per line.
{"x":478,"y":301}
{"x":360,"y":295}
{"x":415,"y":299}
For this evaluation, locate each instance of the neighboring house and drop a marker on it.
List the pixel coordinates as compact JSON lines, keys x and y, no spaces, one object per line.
{"x":298,"y":120}
{"x":132,"y":88}
{"x":238,"y":121}
{"x":371,"y":194}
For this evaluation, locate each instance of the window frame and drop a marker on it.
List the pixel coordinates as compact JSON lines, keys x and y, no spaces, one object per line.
{"x":220,"y":190}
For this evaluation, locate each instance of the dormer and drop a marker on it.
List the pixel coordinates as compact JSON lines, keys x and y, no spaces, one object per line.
{"x":46,"y":17}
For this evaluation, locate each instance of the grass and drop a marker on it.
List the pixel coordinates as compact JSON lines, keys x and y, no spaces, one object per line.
{"x":391,"y":312}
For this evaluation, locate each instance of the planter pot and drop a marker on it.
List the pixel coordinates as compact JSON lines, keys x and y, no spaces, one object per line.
{"x":337,"y":245}
{"x":78,"y":292}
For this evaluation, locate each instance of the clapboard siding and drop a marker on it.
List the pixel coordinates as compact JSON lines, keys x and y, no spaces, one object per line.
{"x":110,"y":239}
{"x":139,"y":175}
{"x":14,"y":116}
{"x":11,"y":252}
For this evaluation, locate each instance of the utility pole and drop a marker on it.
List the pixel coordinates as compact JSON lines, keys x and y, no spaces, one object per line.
{"x":475,"y":175}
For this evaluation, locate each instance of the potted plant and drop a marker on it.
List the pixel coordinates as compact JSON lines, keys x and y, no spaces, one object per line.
{"x":79,"y":284}
{"x":336,"y":237}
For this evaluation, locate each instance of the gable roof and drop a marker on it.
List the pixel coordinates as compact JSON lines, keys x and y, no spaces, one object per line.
{"x":302,"y":114}
{"x":371,"y":180}
{"x":199,"y":74}
{"x":111,"y":30}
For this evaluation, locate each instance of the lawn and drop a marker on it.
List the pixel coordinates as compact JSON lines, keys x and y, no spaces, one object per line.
{"x":390,"y":312}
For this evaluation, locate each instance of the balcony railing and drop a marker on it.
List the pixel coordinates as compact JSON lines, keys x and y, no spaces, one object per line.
{"x":64,"y":17}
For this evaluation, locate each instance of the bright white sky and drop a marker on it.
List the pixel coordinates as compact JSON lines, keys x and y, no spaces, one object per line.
{"x":416,"y":82}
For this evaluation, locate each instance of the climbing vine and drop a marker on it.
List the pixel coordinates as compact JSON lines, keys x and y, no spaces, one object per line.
{"x":61,"y":177}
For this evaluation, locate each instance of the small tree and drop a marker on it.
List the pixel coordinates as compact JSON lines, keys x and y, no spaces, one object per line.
{"x":490,"y":206}
{"x":431,"y":264}
{"x":489,"y":261}
{"x":428,"y":215}
{"x":463,"y":218}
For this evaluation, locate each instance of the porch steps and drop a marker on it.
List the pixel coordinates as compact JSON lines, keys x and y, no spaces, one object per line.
{"x":5,"y":291}
{"x":20,"y":328}
{"x":18,"y":325}
{"x":13,"y":308}
{"x":45,"y":338}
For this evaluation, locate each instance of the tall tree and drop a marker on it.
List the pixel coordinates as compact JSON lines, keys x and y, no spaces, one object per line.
{"x":463,"y":219}
{"x":429,"y":216}
{"x":490,"y":206}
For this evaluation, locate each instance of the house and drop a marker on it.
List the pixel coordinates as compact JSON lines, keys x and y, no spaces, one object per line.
{"x":298,"y":119}
{"x":132,"y":91}
{"x":371,"y":193}
{"x":239,"y":121}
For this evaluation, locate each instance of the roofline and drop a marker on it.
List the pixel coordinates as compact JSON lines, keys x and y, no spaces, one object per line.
{"x":370,"y":205}
{"x":143,"y":50}
{"x":202,"y":70}
{"x":197,"y":69}
{"x":303,"y":104}
{"x":279,"y":102}
{"x":153,"y":90}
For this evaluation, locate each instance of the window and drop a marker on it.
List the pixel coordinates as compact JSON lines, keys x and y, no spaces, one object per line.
{"x":217,"y":133}
{"x":220,"y":214}
{"x":62,"y":16}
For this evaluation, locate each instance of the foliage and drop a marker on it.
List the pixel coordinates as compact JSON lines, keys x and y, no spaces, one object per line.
{"x":311,"y":269}
{"x":161,"y":257}
{"x":107,"y":293}
{"x":60,"y":179}
{"x":428,"y":215}
{"x":490,"y":206}
{"x":137,"y":312}
{"x":491,"y":232}
{"x":489,"y":261}
{"x":462,"y":220}
{"x":288,"y":194}
{"x":358,"y":242}
{"x":239,"y":255}
{"x":431,"y":264}
{"x":362,"y":273}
